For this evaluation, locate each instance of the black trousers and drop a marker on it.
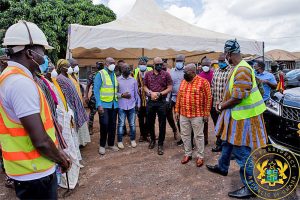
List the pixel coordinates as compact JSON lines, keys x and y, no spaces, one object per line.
{"x":108,"y":122}
{"x":43,"y":188}
{"x":215,"y":115}
{"x":157,"y":108}
{"x":142,"y":115}
{"x":170,"y":116}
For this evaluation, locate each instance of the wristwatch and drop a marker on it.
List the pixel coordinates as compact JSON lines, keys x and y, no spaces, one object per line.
{"x":220,"y":106}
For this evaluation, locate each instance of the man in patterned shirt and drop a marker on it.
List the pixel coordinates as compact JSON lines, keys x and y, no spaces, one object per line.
{"x":193,"y":105}
{"x":219,"y":81}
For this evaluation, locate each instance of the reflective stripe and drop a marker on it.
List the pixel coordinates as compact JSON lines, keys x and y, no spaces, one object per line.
{"x":237,"y":108}
{"x":254,"y":89}
{"x":16,"y":156}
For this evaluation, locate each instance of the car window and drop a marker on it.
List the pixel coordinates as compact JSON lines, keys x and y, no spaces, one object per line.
{"x":293,"y":73}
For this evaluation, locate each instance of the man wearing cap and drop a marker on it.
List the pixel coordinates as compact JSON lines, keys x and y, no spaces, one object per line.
{"x":139,"y":74}
{"x":158,"y":84}
{"x":29,"y":147}
{"x":279,"y":76}
{"x":91,"y":102}
{"x":240,"y":123}
{"x":105,"y":90}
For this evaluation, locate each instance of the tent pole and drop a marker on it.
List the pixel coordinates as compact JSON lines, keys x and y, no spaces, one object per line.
{"x":263,"y":51}
{"x":143,"y":52}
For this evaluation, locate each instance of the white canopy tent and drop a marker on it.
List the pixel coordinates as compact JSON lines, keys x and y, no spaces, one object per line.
{"x":148,"y":30}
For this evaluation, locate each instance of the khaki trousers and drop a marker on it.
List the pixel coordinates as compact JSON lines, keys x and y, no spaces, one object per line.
{"x":187,"y":125}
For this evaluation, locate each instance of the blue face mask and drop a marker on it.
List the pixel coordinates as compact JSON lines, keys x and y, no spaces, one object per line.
{"x":222,"y":65}
{"x":45,"y":66}
{"x":179,"y":65}
{"x":143,"y":67}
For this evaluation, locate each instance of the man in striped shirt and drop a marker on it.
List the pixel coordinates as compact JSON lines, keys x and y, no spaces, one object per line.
{"x":192,"y":107}
{"x":219,"y":81}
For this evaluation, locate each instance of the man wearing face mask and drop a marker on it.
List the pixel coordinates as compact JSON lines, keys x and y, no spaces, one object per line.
{"x":26,"y":117}
{"x":177,"y":76}
{"x":129,"y":102}
{"x":240,"y":118}
{"x":207,"y":73}
{"x":72,"y":72}
{"x":139,"y":74}
{"x":220,"y":77}
{"x":266,"y":78}
{"x":105,"y":90}
{"x":158,"y":84}
{"x":193,"y":105}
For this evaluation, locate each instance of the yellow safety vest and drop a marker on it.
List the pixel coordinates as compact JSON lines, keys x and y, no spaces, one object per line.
{"x":108,"y":92}
{"x":19,"y":155}
{"x":254,"y":104}
{"x":137,"y":70}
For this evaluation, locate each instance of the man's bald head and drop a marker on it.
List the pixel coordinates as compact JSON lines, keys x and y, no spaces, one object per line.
{"x":190,"y":68}
{"x":206,"y":62}
{"x":157,"y":60}
{"x":180,"y":58}
{"x":109,"y":61}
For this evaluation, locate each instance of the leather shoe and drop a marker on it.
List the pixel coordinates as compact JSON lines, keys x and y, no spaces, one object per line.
{"x":199,"y":162}
{"x":186,"y":159}
{"x":216,"y":169}
{"x":160,"y":150}
{"x":242,"y":193}
{"x":152,"y":144}
{"x":217,"y":149}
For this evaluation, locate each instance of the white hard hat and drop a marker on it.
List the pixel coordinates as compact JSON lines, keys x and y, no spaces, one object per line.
{"x":25,"y":33}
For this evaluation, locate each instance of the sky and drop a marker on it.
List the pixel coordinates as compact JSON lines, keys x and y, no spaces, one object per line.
{"x":275,"y":22}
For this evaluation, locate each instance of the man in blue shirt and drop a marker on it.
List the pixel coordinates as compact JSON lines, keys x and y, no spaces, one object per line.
{"x":105,"y":90}
{"x":266,"y":78}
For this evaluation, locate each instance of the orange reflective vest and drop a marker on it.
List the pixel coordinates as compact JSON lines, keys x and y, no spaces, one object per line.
{"x":19,"y":155}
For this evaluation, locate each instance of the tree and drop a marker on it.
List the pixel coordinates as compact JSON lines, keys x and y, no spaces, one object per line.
{"x":54,"y":18}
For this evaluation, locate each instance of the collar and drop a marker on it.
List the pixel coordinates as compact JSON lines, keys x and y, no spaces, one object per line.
{"x":122,"y":77}
{"x":20,"y":66}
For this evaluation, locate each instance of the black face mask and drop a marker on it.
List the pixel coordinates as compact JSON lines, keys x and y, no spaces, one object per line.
{"x":126,"y":73}
{"x":158,"y":67}
{"x":187,"y":77}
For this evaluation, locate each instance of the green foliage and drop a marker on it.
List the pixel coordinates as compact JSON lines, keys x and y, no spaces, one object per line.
{"x":54,"y":18}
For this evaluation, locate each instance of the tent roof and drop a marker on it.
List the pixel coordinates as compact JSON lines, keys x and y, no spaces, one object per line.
{"x":148,"y":26}
{"x":281,"y":55}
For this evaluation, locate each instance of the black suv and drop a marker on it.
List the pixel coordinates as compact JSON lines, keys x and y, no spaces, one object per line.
{"x":283,"y":120}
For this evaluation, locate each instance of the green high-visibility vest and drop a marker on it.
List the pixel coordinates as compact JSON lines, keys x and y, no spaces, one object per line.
{"x":251,"y":106}
{"x":137,"y":70}
{"x":108,"y":92}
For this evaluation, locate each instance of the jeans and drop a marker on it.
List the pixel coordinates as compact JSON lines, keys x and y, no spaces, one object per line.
{"x":241,"y":154}
{"x":159,"y":108}
{"x":43,"y":188}
{"x":142,"y":115}
{"x":130,"y":114}
{"x":170,"y":117}
{"x":108,"y":126}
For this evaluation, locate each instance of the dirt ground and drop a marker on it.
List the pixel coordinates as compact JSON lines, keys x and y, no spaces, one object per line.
{"x":139,"y":173}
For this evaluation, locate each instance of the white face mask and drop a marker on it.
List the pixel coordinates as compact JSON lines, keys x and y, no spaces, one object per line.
{"x":205,"y":68}
{"x":70,"y":70}
{"x":76,"y":69}
{"x":54,"y":73}
{"x":111,"y":67}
